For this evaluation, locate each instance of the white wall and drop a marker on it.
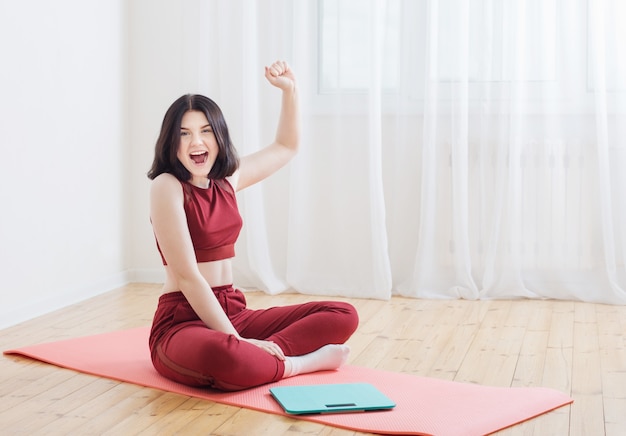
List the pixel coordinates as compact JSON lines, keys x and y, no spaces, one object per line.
{"x":65,"y":154}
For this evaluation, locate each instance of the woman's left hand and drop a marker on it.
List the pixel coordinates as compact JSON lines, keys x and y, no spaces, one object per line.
{"x":269,"y":346}
{"x":280,"y":75}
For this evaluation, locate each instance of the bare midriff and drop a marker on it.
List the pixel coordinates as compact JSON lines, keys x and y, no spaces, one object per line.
{"x":216,"y":273}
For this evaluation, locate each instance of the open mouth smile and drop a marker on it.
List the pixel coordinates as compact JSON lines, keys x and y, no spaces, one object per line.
{"x":199,"y":157}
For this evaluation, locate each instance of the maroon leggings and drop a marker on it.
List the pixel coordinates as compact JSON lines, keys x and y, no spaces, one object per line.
{"x":185,"y":350}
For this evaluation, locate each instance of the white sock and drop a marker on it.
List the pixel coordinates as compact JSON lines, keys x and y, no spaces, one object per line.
{"x":330,"y":356}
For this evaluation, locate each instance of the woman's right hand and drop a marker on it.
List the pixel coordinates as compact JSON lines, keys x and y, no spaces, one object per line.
{"x":269,"y":346}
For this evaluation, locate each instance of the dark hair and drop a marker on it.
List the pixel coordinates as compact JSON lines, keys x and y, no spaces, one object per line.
{"x":166,"y":149}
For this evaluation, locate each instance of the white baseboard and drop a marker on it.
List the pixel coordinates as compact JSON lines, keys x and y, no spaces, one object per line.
{"x":146,"y":275}
{"x":10,"y":316}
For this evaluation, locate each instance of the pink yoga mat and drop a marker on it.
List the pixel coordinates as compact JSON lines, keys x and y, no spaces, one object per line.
{"x":425,"y":406}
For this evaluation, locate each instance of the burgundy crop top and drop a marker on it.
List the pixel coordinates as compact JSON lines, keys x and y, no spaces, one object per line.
{"x":213,"y":219}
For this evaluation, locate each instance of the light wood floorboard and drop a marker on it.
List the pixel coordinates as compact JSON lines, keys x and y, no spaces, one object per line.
{"x":578,"y":348}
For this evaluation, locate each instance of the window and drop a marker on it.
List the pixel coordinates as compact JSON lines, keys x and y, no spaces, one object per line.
{"x":350,"y":34}
{"x":484,"y":43}
{"x":608,"y":18}
{"x":508,"y":40}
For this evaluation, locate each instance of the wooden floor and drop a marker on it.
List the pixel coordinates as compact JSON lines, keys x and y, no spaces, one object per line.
{"x":578,"y":348}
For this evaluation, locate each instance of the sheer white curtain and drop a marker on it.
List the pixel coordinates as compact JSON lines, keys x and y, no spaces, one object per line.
{"x":452,"y":149}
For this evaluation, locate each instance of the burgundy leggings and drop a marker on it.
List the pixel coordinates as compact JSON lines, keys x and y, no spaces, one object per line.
{"x":185,"y":350}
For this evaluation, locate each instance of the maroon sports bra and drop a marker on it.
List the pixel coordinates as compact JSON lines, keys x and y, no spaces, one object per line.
{"x":213,"y":219}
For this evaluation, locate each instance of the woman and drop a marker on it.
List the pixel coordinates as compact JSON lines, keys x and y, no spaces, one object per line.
{"x":202,"y":333}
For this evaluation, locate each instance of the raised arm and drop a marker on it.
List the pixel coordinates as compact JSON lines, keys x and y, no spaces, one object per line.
{"x":257,"y":166}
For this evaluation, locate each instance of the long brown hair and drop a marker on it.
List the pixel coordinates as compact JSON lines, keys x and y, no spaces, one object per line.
{"x":165,"y":159}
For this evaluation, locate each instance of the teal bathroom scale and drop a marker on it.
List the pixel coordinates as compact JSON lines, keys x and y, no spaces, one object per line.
{"x":331,"y":398}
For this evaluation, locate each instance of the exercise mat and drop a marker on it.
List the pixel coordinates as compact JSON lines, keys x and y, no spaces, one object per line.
{"x":424,"y":406}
